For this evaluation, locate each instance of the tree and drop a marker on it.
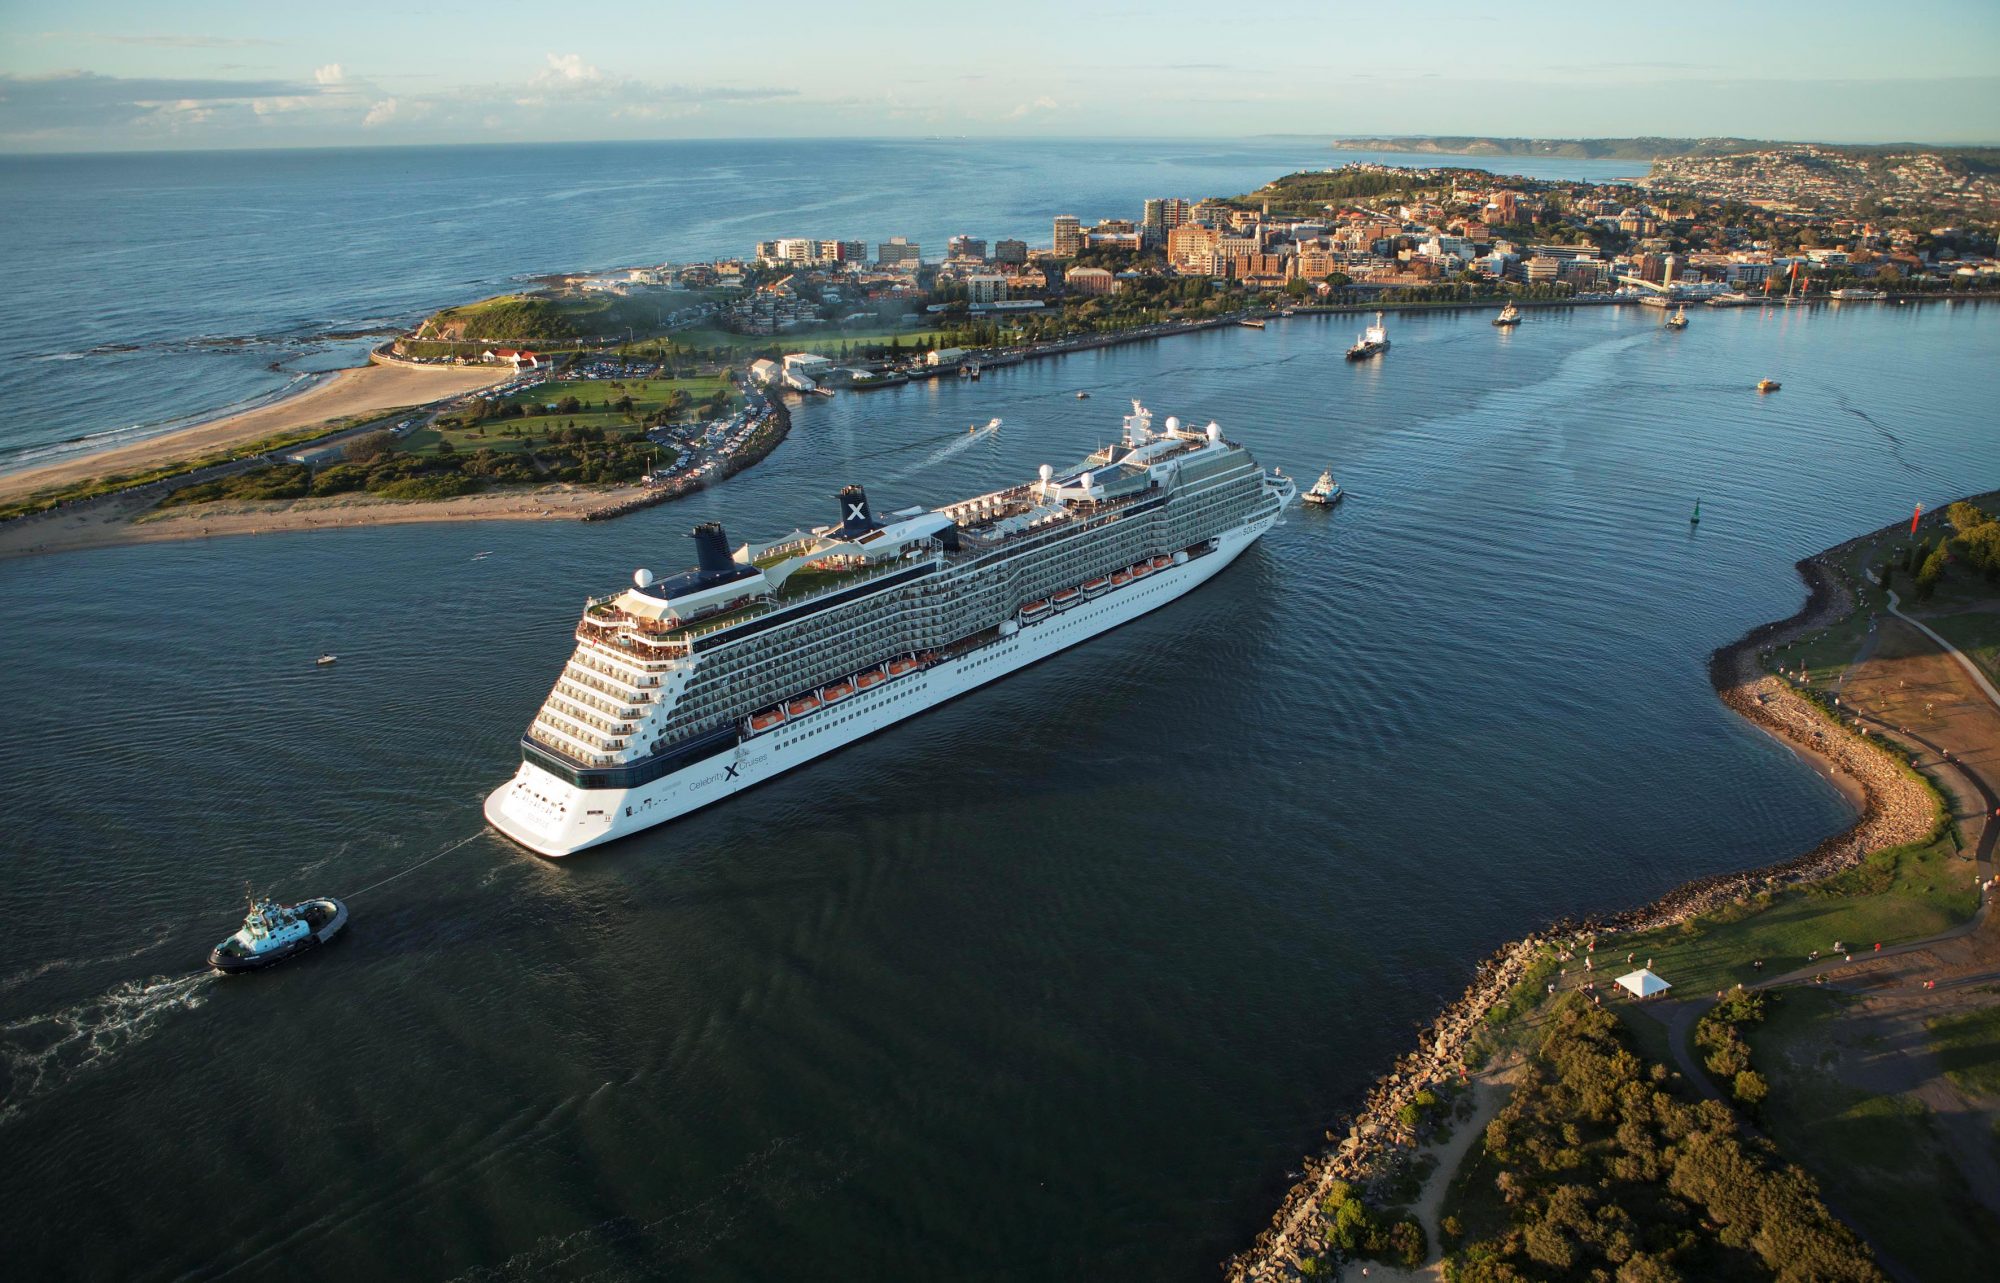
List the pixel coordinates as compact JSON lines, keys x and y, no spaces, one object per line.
{"x":1933,"y":571}
{"x":375,"y":445}
{"x":1965,"y":517}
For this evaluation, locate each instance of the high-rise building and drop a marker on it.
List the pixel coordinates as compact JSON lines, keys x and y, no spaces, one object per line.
{"x":898,"y":251}
{"x":1010,"y":251}
{"x":966,"y":247}
{"x":843,"y":251}
{"x":1068,"y":236}
{"x":794,"y":249}
{"x":1162,"y":215}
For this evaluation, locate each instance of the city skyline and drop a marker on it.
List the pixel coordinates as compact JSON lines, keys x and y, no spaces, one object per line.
{"x":110,"y":76}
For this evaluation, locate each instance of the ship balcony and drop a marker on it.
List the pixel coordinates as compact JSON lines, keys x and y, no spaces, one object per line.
{"x":579,"y":741}
{"x":569,"y":690}
{"x":593,"y":725}
{"x":568,"y":748}
{"x":639,"y":686}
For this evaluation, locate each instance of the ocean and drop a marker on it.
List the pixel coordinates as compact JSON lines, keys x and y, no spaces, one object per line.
{"x":149,"y":291}
{"x":1058,"y":980}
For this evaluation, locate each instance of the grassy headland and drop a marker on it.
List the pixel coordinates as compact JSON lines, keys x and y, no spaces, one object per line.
{"x":1837,"y":1012}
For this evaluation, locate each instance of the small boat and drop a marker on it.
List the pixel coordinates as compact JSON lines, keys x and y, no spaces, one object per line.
{"x":1095,"y":587}
{"x":802,"y":705}
{"x":1064,"y":599}
{"x":1034,"y":610}
{"x":870,"y":678}
{"x":324,"y":660}
{"x":1767,"y":385}
{"x":1509,"y":315}
{"x":1251,"y":324}
{"x":1120,"y":578}
{"x":1695,"y":520}
{"x":1141,"y":570}
{"x":1325,"y":492}
{"x":1083,"y":396}
{"x":273,"y":932}
{"x":765,"y":720}
{"x":1162,"y":561}
{"x":839,"y":691}
{"x":1679,"y":320}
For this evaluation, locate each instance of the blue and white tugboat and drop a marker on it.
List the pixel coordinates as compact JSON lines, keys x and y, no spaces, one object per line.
{"x":1325,"y":493}
{"x":273,"y":932}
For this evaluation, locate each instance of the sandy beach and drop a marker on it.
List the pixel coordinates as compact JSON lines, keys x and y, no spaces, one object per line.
{"x":348,"y":392}
{"x":125,"y":519}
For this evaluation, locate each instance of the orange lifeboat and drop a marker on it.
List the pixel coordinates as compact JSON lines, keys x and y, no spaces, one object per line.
{"x":897,"y":667}
{"x":1092,"y":587}
{"x":839,"y":691}
{"x":1065,"y":599}
{"x":765,"y":720}
{"x":867,"y":679}
{"x":1119,"y":579}
{"x":1162,"y":561}
{"x":1035,"y":610}
{"x":802,"y":705}
{"x":1141,"y":570}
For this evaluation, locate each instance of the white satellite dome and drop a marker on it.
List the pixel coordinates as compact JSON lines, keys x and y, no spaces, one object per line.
{"x":1215,"y":433}
{"x":1047,"y":473}
{"x":643,"y":577}
{"x":1173,"y":423}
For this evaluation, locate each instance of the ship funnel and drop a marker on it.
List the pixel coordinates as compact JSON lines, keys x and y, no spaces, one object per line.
{"x":855,"y":518}
{"x":711,"y":551}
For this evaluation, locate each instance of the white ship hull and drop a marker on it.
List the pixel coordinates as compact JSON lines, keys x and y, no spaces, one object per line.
{"x":553,"y":817}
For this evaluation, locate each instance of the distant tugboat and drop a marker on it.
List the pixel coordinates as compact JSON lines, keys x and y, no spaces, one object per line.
{"x":1509,"y":315}
{"x":1083,"y":396}
{"x":272,"y":932}
{"x":1326,"y":491}
{"x":1767,"y":385}
{"x":1679,"y":320}
{"x":1373,"y":342}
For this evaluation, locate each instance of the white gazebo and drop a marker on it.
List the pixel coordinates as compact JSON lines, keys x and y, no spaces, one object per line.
{"x":1643,"y":983}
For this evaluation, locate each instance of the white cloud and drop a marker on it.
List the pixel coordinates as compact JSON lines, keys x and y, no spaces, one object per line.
{"x":1026,"y":109}
{"x":331,"y":74}
{"x":380,"y":114}
{"x":567,"y":68}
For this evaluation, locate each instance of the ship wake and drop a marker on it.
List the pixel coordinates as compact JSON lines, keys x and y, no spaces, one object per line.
{"x":39,"y":1054}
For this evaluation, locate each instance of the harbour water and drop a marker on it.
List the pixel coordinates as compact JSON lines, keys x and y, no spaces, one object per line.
{"x":144,"y":291}
{"x":1055,"y":981}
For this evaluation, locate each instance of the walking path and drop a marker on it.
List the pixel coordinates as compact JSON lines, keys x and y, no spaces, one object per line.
{"x":1958,"y":656}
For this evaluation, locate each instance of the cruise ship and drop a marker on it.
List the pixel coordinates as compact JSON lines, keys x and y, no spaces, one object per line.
{"x":685,"y":690}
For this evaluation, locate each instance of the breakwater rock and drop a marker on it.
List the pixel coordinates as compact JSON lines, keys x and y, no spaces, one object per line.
{"x":1898,"y":807}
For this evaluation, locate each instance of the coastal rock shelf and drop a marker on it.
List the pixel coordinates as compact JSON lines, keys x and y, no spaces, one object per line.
{"x":1898,"y":808}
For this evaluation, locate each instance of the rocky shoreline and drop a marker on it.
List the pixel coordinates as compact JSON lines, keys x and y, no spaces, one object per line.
{"x":1897,"y":807}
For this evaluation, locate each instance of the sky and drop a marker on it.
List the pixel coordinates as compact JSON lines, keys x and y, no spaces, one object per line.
{"x":88,"y":75}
